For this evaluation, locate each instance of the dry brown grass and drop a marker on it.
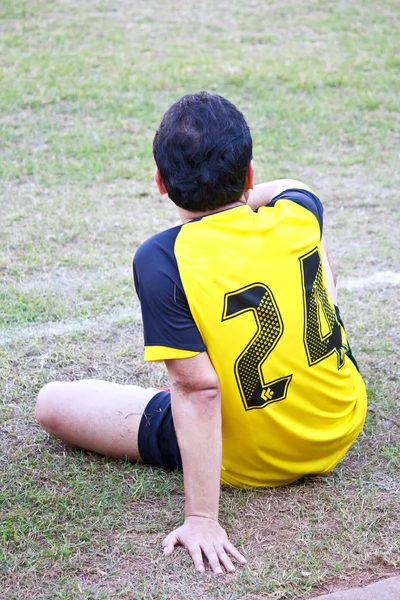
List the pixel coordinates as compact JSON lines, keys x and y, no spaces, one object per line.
{"x":86,"y":83}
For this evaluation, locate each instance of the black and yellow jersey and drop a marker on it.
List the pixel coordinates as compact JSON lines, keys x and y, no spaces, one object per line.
{"x":249,"y":288}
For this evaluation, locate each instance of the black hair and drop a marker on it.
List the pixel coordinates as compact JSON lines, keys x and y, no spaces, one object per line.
{"x":202,"y":149}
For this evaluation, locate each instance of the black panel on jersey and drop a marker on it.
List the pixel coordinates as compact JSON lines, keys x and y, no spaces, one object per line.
{"x":304,"y":198}
{"x":167,"y":320}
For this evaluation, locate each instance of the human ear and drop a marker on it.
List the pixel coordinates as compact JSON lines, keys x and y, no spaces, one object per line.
{"x":249,"y":182}
{"x":159,"y":182}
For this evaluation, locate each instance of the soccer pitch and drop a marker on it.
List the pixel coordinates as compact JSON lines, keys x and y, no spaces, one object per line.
{"x":83,"y":85}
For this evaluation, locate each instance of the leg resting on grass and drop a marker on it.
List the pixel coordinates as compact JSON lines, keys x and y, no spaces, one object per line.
{"x":95,"y":415}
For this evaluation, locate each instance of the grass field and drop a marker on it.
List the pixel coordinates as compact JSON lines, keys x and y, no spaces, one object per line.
{"x":83,"y":85}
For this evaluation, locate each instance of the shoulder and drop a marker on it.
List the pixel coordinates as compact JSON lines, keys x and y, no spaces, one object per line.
{"x":159,"y":247}
{"x":155,"y":267}
{"x":304,"y":198}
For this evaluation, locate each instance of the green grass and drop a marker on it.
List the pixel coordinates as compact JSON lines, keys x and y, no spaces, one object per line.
{"x":83,"y":86}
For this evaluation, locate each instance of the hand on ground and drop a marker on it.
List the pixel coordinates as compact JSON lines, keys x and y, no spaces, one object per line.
{"x":202,"y":536}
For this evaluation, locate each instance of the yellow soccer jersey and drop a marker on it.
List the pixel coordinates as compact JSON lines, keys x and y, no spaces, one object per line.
{"x":249,"y":288}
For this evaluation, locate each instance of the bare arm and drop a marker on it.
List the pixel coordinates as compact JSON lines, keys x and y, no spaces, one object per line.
{"x":330,"y":271}
{"x":196,"y":409}
{"x":263,"y":193}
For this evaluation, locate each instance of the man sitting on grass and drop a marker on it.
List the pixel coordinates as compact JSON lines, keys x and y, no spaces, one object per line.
{"x":239,"y":300}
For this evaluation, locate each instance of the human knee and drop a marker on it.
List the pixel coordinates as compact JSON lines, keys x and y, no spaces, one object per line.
{"x":47,"y":406}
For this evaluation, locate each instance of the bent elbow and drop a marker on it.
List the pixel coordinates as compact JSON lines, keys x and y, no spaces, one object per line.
{"x":209,"y":395}
{"x":207,"y":399}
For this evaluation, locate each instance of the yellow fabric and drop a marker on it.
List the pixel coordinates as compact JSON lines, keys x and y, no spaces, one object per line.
{"x":159,"y":353}
{"x":310,"y":429}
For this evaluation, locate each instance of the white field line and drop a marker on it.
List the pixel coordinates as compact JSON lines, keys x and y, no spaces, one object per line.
{"x":101,"y":323}
{"x":381,"y":279}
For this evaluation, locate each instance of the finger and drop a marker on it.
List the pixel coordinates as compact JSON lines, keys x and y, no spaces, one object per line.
{"x":224,"y":559}
{"x":168,"y":545}
{"x":234,"y":552}
{"x":197,"y":557}
{"x":213,"y":560}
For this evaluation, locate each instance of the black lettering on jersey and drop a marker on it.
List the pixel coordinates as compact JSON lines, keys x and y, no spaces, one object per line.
{"x":254,"y":390}
{"x":322,"y":333}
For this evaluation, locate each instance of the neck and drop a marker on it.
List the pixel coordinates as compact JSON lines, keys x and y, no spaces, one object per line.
{"x":188,"y":215}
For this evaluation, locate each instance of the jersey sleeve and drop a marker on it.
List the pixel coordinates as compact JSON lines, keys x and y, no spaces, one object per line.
{"x":305,"y":198}
{"x":169,"y":329}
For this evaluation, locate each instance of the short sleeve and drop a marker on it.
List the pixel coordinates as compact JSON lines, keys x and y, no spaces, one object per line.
{"x":305,"y":198}
{"x":169,"y":329}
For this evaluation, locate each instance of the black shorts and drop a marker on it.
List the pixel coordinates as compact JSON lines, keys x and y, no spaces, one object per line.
{"x":158,"y":446}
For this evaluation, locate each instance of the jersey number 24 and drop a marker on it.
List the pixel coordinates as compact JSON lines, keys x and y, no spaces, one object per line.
{"x":322,"y":333}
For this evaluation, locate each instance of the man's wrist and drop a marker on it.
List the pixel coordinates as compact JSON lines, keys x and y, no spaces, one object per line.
{"x":201,"y":516}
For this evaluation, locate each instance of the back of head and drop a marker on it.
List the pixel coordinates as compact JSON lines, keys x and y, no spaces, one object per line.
{"x":202,"y":149}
